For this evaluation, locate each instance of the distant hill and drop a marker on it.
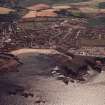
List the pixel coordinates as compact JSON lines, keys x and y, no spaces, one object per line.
{"x":24,"y":3}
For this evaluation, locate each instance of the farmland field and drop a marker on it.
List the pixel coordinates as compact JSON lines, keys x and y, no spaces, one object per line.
{"x":30,"y":2}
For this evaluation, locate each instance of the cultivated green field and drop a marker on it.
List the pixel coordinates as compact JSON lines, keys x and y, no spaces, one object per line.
{"x":30,"y":2}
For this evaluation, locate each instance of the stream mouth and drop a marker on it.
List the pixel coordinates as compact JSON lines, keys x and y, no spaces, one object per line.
{"x":34,"y":85}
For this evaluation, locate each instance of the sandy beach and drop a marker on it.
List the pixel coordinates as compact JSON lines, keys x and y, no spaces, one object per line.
{"x":34,"y":76}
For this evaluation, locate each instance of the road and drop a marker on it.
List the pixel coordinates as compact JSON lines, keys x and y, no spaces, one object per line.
{"x":34,"y":79}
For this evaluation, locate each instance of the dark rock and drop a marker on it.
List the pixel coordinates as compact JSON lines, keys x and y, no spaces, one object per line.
{"x":8,"y":62}
{"x":77,"y":67}
{"x":25,"y":95}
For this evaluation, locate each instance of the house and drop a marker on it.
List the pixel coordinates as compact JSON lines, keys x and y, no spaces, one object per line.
{"x":37,"y":7}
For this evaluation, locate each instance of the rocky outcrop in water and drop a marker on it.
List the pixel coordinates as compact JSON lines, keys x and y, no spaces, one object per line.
{"x":8,"y":62}
{"x":77,"y":67}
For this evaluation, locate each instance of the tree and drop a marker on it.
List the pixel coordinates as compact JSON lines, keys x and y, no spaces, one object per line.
{"x":9,"y":3}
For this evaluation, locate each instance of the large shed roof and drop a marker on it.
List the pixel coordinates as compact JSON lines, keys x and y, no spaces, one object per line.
{"x":58,"y":7}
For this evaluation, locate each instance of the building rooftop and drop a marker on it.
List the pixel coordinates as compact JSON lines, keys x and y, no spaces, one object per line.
{"x":38,"y":7}
{"x":42,"y":13}
{"x":59,"y":7}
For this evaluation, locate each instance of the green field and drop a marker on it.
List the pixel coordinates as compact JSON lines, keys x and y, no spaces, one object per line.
{"x":101,"y":5}
{"x":97,"y":21}
{"x":30,"y":2}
